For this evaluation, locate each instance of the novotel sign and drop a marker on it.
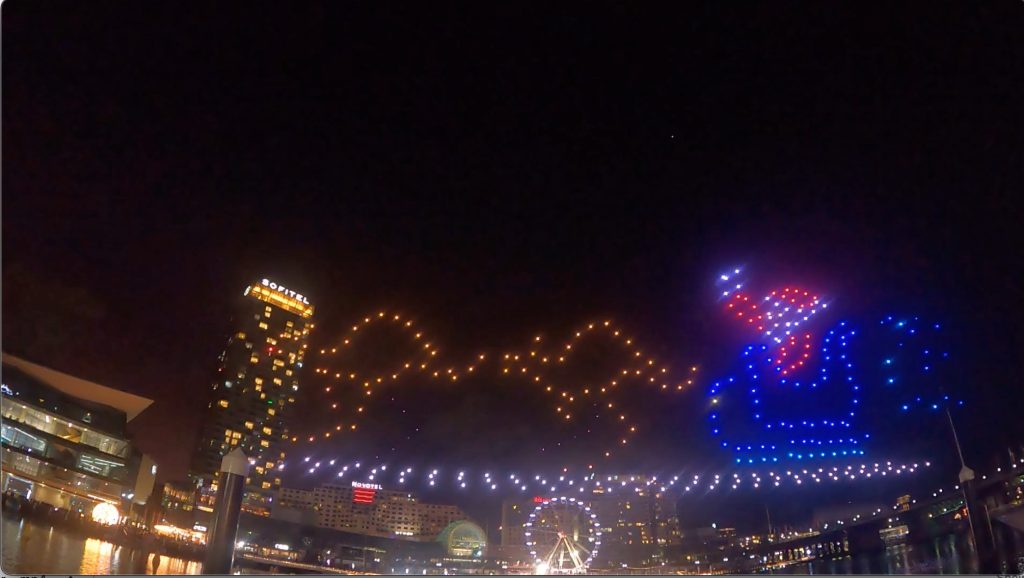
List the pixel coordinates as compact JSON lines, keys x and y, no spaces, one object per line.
{"x":285,"y":290}
{"x":363,"y":486}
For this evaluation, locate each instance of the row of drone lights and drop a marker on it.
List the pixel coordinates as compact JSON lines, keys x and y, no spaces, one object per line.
{"x":956,"y":488}
{"x":936,"y":494}
{"x":462,"y":479}
{"x":530,"y":366}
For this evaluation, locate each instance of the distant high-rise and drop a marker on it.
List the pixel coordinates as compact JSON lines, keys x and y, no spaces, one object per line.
{"x":257,"y":381}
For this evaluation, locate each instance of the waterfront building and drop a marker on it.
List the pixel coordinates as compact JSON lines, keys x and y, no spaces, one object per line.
{"x":463,"y":541}
{"x":177,"y":504}
{"x":366,"y":509}
{"x":255,"y":388}
{"x":65,"y":442}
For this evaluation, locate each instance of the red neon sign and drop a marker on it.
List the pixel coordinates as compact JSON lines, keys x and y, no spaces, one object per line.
{"x":363,"y":495}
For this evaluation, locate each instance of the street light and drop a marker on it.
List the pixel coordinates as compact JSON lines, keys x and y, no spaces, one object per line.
{"x":966,"y":475}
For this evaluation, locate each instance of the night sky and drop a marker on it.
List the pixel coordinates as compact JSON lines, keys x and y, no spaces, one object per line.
{"x":502,"y":171}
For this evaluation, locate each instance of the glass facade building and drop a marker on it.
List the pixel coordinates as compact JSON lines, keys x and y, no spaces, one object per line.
{"x":65,"y":441}
{"x":254,"y":391}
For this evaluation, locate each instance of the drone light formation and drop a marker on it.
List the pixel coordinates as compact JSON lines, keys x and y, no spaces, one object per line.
{"x":803,"y":391}
{"x":801,"y":407}
{"x":584,"y":481}
{"x":535,"y":365}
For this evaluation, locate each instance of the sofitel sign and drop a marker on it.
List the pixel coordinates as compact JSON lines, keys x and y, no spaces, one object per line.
{"x":286,"y":291}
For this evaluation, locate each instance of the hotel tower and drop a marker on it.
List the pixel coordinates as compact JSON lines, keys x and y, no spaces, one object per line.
{"x":254,"y":392}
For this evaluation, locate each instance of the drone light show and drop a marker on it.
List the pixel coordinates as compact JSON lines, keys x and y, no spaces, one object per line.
{"x":543,"y":371}
{"x":790,"y":411}
{"x":798,"y":393}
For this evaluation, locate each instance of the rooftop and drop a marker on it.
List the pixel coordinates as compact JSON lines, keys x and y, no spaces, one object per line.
{"x":131,"y":404}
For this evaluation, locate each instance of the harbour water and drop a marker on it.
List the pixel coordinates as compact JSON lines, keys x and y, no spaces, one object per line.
{"x":950,"y":554}
{"x":941,"y":556}
{"x":32,"y":548}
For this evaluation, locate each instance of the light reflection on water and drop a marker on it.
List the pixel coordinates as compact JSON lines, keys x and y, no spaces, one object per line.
{"x":943,"y":555}
{"x":29,"y":548}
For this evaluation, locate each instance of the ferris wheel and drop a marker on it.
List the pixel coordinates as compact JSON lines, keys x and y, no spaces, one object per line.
{"x":563,"y":536}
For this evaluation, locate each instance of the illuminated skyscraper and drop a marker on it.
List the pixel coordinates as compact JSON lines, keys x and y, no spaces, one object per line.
{"x":255,"y":389}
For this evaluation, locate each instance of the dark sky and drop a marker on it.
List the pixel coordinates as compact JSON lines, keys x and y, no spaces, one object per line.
{"x":503,"y":170}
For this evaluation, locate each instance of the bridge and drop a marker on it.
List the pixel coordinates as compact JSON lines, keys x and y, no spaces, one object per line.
{"x":1002,"y":497}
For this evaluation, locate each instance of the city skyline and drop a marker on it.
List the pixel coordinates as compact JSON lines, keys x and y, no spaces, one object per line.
{"x":776,"y":245}
{"x":661,"y":465}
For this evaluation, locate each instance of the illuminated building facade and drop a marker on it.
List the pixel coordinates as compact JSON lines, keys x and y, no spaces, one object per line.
{"x":177,"y":503}
{"x":903,"y":503}
{"x":366,"y":509}
{"x":257,"y":381}
{"x":65,"y":442}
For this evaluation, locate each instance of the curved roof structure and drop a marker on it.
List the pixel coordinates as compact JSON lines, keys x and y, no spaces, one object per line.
{"x":463,"y":538}
{"x":131,"y":404}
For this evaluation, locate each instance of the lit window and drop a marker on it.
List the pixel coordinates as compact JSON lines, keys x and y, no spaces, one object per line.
{"x":267,"y":431}
{"x":288,"y":372}
{"x":227,"y":433}
{"x":263,"y":325}
{"x":223,"y":403}
{"x":259,"y":388}
{"x":289,"y":324}
{"x":234,"y":442}
{"x":258,"y":380}
{"x":249,"y":424}
{"x":254,"y":359}
{"x":236,"y":435}
{"x":277,"y":381}
{"x":265,"y":485}
{"x":241,"y":335}
{"x":264,"y":443}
